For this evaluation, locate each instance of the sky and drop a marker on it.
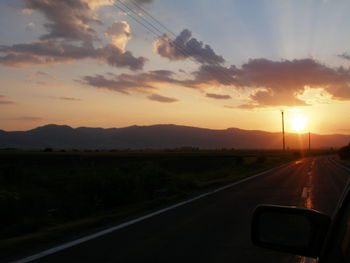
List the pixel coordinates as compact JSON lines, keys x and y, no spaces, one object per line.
{"x":211,"y":64}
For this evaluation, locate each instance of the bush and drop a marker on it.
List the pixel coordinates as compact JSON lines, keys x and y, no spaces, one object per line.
{"x":344,"y":152}
{"x":48,"y":149}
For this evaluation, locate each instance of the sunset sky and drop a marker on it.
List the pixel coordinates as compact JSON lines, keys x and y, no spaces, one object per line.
{"x":224,"y":63}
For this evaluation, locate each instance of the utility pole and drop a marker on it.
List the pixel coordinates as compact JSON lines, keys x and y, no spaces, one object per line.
{"x":309,"y":141}
{"x":283,"y":141}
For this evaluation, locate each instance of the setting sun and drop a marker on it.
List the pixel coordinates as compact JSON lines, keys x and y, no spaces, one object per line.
{"x":298,"y":123}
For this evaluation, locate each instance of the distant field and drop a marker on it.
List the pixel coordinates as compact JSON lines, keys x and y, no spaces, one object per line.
{"x":44,"y":194}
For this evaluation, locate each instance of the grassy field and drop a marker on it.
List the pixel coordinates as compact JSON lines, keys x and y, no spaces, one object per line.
{"x":46,"y":195}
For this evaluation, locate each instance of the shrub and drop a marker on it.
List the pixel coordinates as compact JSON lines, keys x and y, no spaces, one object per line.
{"x":48,"y":149}
{"x":344,"y":152}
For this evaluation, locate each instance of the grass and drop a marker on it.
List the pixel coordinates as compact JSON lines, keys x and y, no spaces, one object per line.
{"x":47,"y":196}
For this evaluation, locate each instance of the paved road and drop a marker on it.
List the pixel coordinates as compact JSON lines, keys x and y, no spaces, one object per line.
{"x":216,"y":228}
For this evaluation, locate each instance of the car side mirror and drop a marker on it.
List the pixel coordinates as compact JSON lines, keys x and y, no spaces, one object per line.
{"x":294,"y":230}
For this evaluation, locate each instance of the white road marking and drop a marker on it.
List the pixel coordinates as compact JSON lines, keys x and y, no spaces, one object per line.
{"x":304,"y":193}
{"x":131,"y":222}
{"x":339,"y":164}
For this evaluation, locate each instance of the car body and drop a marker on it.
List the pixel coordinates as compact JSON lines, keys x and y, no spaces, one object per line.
{"x":305,"y":232}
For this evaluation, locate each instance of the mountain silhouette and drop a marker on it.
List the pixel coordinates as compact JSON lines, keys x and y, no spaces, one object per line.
{"x":159,"y":137}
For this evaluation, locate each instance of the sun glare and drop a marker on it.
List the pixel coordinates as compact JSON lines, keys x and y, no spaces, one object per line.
{"x":298,"y":123}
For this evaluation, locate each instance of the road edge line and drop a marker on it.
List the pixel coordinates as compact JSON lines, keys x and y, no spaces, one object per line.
{"x":339,"y":164}
{"x":139,"y":219}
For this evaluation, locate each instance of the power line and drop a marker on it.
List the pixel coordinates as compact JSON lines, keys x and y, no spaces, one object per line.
{"x":153,"y":18}
{"x":224,"y":75}
{"x":149,"y":29}
{"x":137,"y":14}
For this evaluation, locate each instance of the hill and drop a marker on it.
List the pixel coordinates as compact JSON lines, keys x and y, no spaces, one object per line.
{"x":159,"y":137}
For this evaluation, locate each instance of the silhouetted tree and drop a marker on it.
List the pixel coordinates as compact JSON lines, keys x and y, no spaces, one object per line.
{"x":344,"y":152}
{"x":48,"y":149}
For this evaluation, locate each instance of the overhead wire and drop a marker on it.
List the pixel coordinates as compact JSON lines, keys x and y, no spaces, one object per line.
{"x":225,"y":78}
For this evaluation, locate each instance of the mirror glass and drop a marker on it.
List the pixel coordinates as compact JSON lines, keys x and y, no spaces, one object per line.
{"x":290,"y":230}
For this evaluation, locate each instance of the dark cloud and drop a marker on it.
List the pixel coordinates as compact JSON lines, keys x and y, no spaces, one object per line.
{"x":185,"y":46}
{"x":69,"y":99}
{"x":115,"y":57}
{"x":245,"y":106}
{"x":215,"y":75}
{"x":270,"y":83}
{"x":159,"y":98}
{"x":345,"y":56}
{"x":42,"y":74}
{"x":283,"y":81}
{"x":276,"y":83}
{"x":70,"y":37}
{"x":68,"y":19}
{"x":218,"y":96}
{"x":4,"y":101}
{"x":55,"y":52}
{"x":124,"y":83}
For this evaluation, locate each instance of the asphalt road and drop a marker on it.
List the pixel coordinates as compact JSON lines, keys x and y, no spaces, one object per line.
{"x":216,"y":228}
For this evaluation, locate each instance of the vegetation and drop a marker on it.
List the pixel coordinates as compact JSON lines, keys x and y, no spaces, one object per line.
{"x":45,"y":190}
{"x":344,"y":152}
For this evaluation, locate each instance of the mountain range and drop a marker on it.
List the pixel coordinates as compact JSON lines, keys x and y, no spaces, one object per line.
{"x":160,"y":137}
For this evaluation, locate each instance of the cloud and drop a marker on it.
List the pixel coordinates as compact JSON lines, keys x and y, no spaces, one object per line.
{"x":275,"y":83}
{"x":185,"y":46}
{"x":69,"y":99}
{"x":218,"y":96}
{"x":125,"y":83}
{"x":30,"y":26}
{"x":345,"y":56}
{"x":51,"y":52}
{"x":159,"y":98}
{"x":120,"y":34}
{"x":4,"y":101}
{"x":70,"y":37}
{"x":245,"y":106}
{"x":278,"y":83}
{"x":117,"y":58}
{"x":215,"y":75}
{"x":93,"y":4}
{"x":269,"y":83}
{"x":68,"y":19}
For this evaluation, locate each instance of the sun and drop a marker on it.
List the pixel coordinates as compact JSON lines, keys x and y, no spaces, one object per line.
{"x":298,"y":123}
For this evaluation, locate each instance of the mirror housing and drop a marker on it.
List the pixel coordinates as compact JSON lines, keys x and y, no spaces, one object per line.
{"x":294,"y":230}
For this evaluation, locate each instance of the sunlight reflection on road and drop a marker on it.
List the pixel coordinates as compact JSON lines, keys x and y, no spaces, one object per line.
{"x":308,"y":201}
{"x":309,"y":188}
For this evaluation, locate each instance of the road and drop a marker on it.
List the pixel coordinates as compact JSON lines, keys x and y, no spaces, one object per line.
{"x":216,"y":228}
